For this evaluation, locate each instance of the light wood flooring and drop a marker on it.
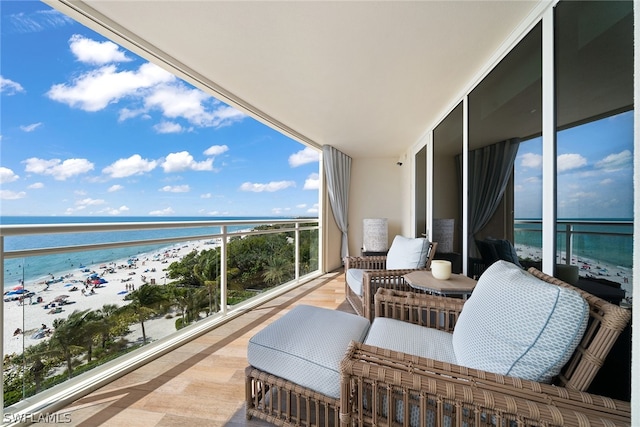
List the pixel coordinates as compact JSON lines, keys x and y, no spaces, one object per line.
{"x":202,"y":382}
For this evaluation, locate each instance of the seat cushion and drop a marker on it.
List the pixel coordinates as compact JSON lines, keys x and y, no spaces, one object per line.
{"x":518,"y":325}
{"x":353,"y":276}
{"x":408,"y":338}
{"x":407,"y":253}
{"x":306,"y":345}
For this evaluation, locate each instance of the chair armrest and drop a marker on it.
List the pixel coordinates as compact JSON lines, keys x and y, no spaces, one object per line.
{"x":427,"y":310}
{"x":384,"y":387}
{"x":372,"y":280}
{"x":365,"y":262}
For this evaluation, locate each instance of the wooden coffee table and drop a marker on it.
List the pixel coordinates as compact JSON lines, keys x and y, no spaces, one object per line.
{"x":458,"y":284}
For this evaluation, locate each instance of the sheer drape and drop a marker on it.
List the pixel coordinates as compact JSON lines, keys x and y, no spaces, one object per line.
{"x":490,"y":168}
{"x":337,"y":167}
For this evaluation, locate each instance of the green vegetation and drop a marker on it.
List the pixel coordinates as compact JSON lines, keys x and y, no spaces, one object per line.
{"x":89,"y":338}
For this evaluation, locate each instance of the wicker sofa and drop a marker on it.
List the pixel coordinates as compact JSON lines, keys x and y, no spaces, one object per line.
{"x":382,"y":386}
{"x":364,"y":275}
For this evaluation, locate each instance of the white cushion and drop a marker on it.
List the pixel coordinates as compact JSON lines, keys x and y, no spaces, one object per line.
{"x":518,"y":325}
{"x":407,"y":253}
{"x":306,"y":345}
{"x":411,"y":339}
{"x":354,"y":279}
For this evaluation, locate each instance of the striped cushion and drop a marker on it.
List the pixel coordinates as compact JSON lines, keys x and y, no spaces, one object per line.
{"x":306,"y":345}
{"x":518,"y":325}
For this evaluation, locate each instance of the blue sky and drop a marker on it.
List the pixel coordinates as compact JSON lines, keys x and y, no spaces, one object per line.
{"x":88,"y":128}
{"x":595,"y":171}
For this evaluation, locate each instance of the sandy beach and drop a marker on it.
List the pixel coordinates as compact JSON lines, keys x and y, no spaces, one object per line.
{"x":587,"y":267}
{"x":119,"y":277}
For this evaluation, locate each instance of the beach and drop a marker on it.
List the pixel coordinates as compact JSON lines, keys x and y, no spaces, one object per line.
{"x":587,"y":267}
{"x":109,"y":283}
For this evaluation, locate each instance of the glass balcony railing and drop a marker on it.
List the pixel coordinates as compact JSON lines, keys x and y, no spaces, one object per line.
{"x":599,"y":248}
{"x":85,"y":303}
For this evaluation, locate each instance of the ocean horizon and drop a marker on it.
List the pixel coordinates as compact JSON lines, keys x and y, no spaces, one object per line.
{"x":40,"y":268}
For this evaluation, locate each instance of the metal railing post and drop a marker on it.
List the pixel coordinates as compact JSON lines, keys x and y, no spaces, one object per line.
{"x":568,"y":243}
{"x":297,"y":249}
{"x":223,"y":270}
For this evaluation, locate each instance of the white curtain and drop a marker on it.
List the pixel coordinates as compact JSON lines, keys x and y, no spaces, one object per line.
{"x":337,"y":167}
{"x":490,"y":168}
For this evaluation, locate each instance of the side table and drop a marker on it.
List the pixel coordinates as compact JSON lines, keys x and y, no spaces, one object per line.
{"x":458,"y":284}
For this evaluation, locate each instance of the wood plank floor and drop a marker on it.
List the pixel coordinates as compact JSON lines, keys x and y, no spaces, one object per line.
{"x":202,"y":382}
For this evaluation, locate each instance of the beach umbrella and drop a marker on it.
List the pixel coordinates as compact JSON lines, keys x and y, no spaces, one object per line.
{"x":18,"y":287}
{"x":68,"y":284}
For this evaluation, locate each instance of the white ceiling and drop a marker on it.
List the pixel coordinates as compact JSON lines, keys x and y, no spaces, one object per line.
{"x":367,"y":77}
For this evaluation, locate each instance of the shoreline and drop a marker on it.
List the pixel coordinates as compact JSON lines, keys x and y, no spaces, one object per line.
{"x":120,"y":278}
{"x":587,"y":267}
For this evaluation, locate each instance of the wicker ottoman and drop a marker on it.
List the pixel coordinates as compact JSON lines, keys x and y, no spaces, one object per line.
{"x":294,"y":371}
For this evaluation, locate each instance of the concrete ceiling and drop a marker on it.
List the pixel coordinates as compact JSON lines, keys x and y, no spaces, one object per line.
{"x":367,"y":77}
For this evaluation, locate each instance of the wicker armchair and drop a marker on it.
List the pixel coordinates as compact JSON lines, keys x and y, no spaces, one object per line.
{"x":376,"y":276}
{"x":384,"y":387}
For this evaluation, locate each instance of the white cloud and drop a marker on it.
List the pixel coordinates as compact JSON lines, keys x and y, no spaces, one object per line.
{"x":215,"y":150}
{"x":167,"y":211}
{"x":615,"y":162}
{"x":98,"y":88}
{"x":205,"y":196}
{"x":301,"y":206}
{"x":567,"y":162}
{"x":308,"y":155}
{"x":7,"y":175}
{"x":9,"y":87}
{"x":116,"y":211}
{"x":36,"y":186}
{"x":313,"y":210}
{"x":269,"y":187}
{"x":12,"y":195}
{"x":168,"y":127}
{"x":94,"y":52}
{"x":531,"y":160}
{"x":37,"y":21}
{"x":134,"y":165}
{"x":89,"y":202}
{"x":607,"y":181}
{"x":176,"y":162}
{"x":175,"y":189}
{"x":31,"y":127}
{"x":312,"y":182}
{"x":114,"y":188}
{"x":60,"y":170}
{"x":178,"y":100}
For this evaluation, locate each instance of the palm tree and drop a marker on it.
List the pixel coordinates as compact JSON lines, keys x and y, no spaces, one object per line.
{"x":277,"y":270}
{"x":69,"y":336}
{"x":146,"y":301}
{"x":206,"y":270}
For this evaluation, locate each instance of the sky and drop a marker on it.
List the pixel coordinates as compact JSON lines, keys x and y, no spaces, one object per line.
{"x":594,"y":167}
{"x":87,"y":128}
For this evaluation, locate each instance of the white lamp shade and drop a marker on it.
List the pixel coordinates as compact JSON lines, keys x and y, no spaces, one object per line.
{"x":375,"y":235}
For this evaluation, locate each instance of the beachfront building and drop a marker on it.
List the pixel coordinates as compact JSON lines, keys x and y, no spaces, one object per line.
{"x":413,"y":93}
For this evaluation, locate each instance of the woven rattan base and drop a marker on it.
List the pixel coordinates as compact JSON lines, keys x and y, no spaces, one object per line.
{"x":283,"y":403}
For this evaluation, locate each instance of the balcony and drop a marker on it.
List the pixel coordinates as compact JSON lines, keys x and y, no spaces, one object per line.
{"x":193,"y":376}
{"x":27,"y":247}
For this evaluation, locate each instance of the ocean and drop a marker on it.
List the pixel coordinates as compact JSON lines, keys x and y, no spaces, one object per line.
{"x":607,"y":240}
{"x":39,"y":268}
